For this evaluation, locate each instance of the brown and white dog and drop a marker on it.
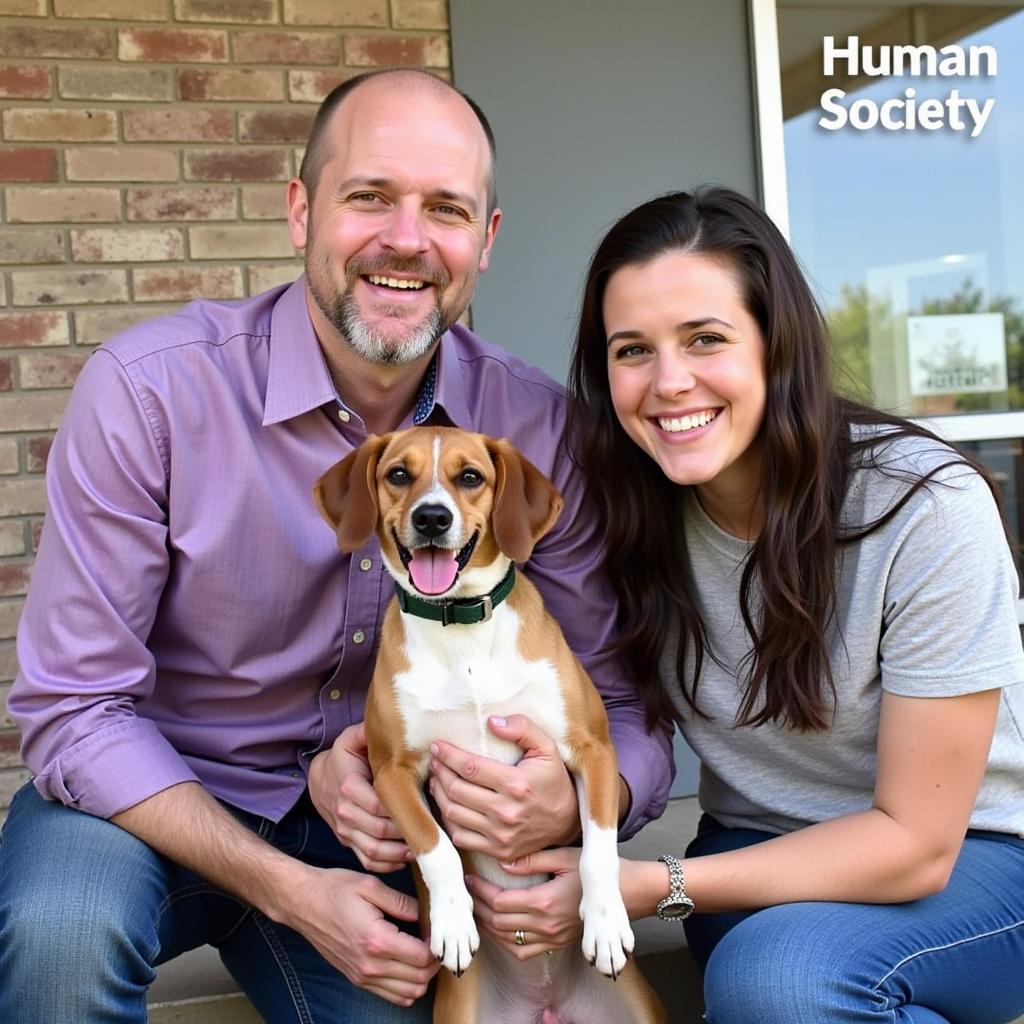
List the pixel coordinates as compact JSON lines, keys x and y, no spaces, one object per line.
{"x":453,"y":511}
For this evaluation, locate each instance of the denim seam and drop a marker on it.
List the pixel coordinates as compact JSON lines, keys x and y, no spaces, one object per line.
{"x":948,"y":945}
{"x":196,"y":889}
{"x":290,"y":976}
{"x":234,"y":928}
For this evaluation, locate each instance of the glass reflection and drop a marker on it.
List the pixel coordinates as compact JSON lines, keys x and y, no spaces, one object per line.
{"x":914,"y":238}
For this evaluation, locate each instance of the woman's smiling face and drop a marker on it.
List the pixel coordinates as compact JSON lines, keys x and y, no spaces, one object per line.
{"x":686,"y":369}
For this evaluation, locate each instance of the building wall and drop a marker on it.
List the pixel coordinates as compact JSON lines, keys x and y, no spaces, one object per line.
{"x":595,"y":108}
{"x":144,"y":151}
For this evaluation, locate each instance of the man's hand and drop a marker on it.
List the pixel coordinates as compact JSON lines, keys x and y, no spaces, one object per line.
{"x":341,"y":787}
{"x":342,"y":914}
{"x":503,"y":810}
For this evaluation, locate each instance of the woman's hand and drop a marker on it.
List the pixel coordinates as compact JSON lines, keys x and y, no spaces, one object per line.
{"x":548,"y":913}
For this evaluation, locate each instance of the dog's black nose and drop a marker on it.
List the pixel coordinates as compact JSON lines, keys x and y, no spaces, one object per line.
{"x":431,"y":521}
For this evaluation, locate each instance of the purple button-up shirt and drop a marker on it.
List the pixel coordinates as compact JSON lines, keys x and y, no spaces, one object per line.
{"x":190,"y":616}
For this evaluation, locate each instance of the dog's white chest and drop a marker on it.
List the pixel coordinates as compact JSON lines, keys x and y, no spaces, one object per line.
{"x":460,"y":675}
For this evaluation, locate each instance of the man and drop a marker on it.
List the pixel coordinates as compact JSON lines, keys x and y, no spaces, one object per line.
{"x":195,"y":652}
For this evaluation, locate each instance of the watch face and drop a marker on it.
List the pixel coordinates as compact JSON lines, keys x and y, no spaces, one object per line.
{"x":677,"y":910}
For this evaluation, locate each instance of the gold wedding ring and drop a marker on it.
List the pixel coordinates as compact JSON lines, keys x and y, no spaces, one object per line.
{"x":520,"y":937}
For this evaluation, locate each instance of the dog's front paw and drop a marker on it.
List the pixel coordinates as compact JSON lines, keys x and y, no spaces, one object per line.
{"x":607,"y":936}
{"x":453,"y":936}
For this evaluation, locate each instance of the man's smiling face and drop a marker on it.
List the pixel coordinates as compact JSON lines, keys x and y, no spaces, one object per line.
{"x":399,"y":228}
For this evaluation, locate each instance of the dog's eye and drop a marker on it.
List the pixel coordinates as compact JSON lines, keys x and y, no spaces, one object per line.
{"x":471,"y":478}
{"x":398,"y":475}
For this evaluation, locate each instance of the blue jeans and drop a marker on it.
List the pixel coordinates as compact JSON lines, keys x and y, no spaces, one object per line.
{"x":87,"y":911}
{"x":953,"y":958}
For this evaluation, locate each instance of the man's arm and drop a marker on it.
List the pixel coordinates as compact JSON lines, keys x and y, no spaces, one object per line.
{"x":342,"y":913}
{"x":84,"y":667}
{"x":101,"y":570}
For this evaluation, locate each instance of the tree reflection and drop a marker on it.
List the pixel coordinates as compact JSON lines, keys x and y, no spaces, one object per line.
{"x":857,"y":315}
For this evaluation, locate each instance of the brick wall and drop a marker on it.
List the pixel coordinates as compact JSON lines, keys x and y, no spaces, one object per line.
{"x":144,"y":151}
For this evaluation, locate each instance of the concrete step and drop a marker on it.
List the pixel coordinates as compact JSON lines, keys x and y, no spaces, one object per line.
{"x":229,"y":1009}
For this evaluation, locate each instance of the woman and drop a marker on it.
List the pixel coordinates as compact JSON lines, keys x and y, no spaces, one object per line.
{"x":832,"y":600}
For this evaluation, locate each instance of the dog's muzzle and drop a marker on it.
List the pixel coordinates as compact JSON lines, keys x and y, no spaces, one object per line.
{"x":433,"y":570}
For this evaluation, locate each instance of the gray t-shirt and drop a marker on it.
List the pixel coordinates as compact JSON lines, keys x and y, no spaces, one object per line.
{"x":926,"y":607}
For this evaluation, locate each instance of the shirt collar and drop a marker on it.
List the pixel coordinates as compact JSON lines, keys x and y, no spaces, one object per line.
{"x":450,"y":392}
{"x":298,"y":379}
{"x":297,"y":376}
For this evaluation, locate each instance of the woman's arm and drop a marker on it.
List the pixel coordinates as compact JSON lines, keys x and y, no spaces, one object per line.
{"x":931,"y":759}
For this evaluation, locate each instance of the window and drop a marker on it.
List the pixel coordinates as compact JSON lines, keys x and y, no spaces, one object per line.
{"x":902,"y":148}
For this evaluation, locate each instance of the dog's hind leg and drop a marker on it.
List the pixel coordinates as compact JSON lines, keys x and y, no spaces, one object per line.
{"x":457,"y":1000}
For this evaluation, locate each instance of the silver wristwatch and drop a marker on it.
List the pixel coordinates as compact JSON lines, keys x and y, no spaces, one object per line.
{"x":676,"y":906}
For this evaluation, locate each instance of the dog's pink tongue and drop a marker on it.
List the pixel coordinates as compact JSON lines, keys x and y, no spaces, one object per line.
{"x":433,"y":570}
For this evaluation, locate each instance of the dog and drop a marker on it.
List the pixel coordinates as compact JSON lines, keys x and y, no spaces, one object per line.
{"x":454,"y":511}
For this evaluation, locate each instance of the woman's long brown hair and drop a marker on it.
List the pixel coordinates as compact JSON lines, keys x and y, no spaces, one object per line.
{"x":808,"y":453}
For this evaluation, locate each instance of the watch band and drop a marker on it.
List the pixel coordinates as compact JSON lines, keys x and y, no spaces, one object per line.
{"x":677,"y":883}
{"x":676,"y":905}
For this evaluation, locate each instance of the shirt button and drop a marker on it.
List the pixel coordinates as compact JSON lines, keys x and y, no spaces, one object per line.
{"x":344,"y":415}
{"x":358,"y":636}
{"x":366,"y":564}
{"x":296,"y":775}
{"x":335,"y":695}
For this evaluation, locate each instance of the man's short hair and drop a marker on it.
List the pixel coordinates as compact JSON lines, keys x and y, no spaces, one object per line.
{"x":318,"y":146}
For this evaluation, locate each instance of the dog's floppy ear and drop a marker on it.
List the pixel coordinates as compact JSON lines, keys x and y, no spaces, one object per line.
{"x":526,"y":503}
{"x":347,"y":494}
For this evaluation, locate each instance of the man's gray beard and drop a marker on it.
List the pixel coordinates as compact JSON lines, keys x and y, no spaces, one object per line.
{"x":343,"y":315}
{"x":376,"y":347}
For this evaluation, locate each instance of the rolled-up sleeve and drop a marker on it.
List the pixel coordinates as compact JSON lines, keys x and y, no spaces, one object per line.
{"x":568,"y":569}
{"x":100,"y":572}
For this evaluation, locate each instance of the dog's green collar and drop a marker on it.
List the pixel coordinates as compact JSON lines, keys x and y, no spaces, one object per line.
{"x":464,"y":611}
